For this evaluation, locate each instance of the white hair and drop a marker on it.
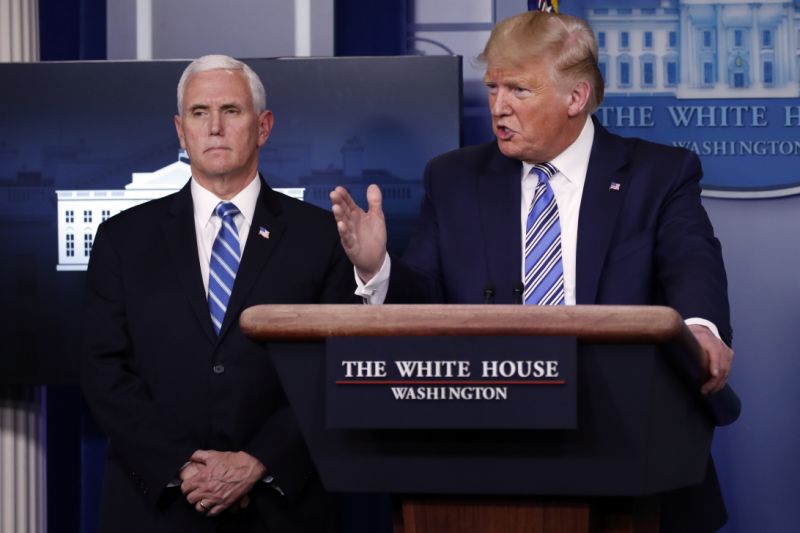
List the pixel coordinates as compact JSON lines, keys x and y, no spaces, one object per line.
{"x":222,"y":62}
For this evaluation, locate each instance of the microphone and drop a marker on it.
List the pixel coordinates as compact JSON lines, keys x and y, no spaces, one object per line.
{"x":516,"y":293}
{"x":488,"y":293}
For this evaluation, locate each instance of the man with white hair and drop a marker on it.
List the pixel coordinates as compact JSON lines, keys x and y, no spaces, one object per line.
{"x":201,"y":436}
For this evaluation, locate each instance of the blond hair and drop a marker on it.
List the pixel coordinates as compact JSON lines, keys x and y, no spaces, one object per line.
{"x":567,"y":41}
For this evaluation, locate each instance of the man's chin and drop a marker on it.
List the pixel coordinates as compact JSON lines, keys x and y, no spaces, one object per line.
{"x":508,"y":149}
{"x":218,"y":165}
{"x":214,"y":172}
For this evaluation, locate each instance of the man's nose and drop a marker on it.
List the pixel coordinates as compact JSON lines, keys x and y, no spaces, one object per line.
{"x":500,"y":105}
{"x":216,"y":123}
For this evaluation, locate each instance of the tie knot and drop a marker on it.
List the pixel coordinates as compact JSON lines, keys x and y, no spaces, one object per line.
{"x":544,"y":171}
{"x":226,"y":210}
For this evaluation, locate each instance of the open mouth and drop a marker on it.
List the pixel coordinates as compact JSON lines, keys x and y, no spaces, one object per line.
{"x":503,"y":133}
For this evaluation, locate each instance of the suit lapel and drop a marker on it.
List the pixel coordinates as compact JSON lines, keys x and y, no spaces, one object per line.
{"x":599,"y":209}
{"x":499,"y":188}
{"x":181,"y":240}
{"x":257,"y":252}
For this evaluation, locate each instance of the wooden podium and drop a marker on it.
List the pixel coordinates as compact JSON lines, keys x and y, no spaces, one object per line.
{"x":642,"y":428}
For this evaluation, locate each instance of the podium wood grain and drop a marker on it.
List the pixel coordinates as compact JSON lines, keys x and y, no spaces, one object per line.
{"x":598,"y":323}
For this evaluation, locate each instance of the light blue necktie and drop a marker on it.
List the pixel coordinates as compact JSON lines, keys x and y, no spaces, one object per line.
{"x":544,"y":272}
{"x":225,"y":256}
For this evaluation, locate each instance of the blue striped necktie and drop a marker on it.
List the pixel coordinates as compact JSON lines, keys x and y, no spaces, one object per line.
{"x":225,"y":255}
{"x":544,"y":272}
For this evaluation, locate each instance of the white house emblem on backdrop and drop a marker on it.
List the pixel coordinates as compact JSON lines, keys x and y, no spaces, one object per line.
{"x":717,"y":78}
{"x":80,"y":212}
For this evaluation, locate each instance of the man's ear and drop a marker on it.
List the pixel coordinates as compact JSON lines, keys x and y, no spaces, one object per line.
{"x":578,"y":98}
{"x":265,"y":122}
{"x":179,"y":130}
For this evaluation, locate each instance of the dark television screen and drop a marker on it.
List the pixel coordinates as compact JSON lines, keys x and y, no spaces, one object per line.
{"x":82,"y":141}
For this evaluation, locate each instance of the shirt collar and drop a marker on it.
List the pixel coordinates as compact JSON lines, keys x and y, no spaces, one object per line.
{"x":573,"y":162}
{"x":205,"y":201}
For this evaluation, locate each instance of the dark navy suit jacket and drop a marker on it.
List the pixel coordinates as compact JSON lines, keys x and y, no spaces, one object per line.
{"x":649,"y":242}
{"x":161,"y":384}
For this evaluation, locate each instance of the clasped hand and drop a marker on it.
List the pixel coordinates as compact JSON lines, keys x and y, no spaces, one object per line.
{"x":214,"y":481}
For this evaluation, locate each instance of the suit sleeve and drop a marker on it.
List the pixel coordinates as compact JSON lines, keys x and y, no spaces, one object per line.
{"x":689,"y":256}
{"x":339,"y":285}
{"x":416,"y":278}
{"x":146,"y":440}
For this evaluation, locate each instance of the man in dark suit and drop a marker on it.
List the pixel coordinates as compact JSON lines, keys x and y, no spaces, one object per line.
{"x":620,"y":219}
{"x":200,"y":434}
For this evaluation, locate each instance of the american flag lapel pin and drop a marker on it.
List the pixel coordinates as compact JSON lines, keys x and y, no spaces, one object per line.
{"x":614,"y":186}
{"x":263,"y":232}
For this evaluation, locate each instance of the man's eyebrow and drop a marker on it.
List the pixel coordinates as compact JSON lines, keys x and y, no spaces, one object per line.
{"x":195,"y":107}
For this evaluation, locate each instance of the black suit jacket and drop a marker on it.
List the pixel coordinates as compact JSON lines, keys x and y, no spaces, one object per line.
{"x":161,"y":384}
{"x":646,"y":240}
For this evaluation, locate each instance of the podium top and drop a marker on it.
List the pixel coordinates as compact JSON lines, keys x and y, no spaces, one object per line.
{"x":603,"y":323}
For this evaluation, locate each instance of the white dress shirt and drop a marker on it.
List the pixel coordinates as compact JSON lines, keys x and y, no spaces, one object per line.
{"x":567,"y":185}
{"x":206,"y":227}
{"x":207,"y":224}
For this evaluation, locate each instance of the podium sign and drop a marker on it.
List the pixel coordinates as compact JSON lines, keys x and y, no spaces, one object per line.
{"x":451,"y":382}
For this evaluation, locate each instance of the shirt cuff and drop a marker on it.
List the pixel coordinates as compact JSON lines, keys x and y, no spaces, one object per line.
{"x":176,"y":482}
{"x":374,"y":291}
{"x":703,"y":322}
{"x":270,"y":480}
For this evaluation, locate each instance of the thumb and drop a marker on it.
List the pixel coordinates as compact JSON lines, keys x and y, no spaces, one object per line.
{"x":200,"y":456}
{"x":374,"y":199}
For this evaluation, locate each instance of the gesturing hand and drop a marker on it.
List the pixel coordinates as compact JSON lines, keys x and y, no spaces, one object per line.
{"x":363,"y":233}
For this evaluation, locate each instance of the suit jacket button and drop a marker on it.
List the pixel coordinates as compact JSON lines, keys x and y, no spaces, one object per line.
{"x":218,"y":369}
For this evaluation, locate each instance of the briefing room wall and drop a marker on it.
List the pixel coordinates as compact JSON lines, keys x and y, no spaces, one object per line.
{"x":757,"y":456}
{"x":149,"y":29}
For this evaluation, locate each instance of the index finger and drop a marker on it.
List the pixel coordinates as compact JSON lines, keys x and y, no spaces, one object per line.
{"x":190,"y":485}
{"x":217,"y":509}
{"x":340,"y":196}
{"x":719,"y":370}
{"x":200,"y":456}
{"x":714,"y":384}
